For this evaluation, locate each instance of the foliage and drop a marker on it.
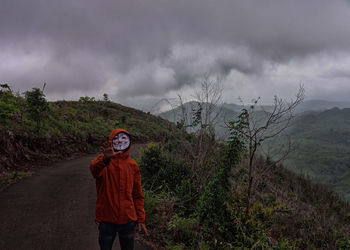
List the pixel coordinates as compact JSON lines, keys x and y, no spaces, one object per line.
{"x":254,"y":131}
{"x":8,"y":109}
{"x":160,"y":170}
{"x":184,"y":229}
{"x":86,"y":99}
{"x":239,"y":230}
{"x":218,"y":190}
{"x":287,"y":212}
{"x":221,"y":208}
{"x":151,"y":200}
{"x":321,"y":143}
{"x":84,"y":119}
{"x":37,"y":106}
{"x":197,"y":115}
{"x":343,"y":242}
{"x":8,"y":103}
{"x":218,"y":220}
{"x":70,"y":127}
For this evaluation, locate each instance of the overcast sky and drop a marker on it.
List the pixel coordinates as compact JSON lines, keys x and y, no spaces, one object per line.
{"x":141,"y":51}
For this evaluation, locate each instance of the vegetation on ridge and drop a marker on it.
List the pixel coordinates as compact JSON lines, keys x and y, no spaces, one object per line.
{"x":322,"y":140}
{"x":287,"y":211}
{"x":32,"y":130}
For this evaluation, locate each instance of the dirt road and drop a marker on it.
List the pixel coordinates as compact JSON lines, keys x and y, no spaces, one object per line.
{"x":53,"y":209}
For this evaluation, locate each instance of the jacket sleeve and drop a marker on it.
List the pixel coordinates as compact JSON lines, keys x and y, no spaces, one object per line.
{"x":138,"y":196}
{"x":97,"y":165}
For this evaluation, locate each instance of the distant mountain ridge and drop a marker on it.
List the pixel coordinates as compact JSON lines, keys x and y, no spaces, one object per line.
{"x":309,"y":105}
{"x":314,"y":105}
{"x":323,"y":151}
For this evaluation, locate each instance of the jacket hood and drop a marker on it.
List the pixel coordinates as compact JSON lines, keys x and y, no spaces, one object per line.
{"x":116,"y":131}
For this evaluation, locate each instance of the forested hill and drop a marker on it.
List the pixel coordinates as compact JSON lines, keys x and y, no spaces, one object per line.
{"x":323,"y":151}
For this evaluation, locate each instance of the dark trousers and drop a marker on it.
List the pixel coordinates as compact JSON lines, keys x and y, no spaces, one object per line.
{"x":108,"y":232}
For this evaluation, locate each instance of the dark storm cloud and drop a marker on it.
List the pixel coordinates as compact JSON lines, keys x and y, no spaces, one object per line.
{"x":150,"y":47}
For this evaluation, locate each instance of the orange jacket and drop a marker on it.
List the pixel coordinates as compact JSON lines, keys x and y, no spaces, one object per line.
{"x":118,"y":185}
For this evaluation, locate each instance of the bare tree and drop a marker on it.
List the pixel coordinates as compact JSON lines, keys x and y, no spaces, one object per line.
{"x":256,"y":127}
{"x":200,"y":117}
{"x":209,"y":98}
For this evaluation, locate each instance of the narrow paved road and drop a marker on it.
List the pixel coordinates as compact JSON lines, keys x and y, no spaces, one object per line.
{"x":53,"y":209}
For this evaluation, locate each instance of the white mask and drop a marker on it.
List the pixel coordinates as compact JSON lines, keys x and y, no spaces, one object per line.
{"x":121,"y":141}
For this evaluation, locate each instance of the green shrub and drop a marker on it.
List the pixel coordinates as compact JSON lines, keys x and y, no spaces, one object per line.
{"x":8,"y":109}
{"x":8,"y":103}
{"x":211,"y":206}
{"x":37,"y":106}
{"x":184,"y":230}
{"x":231,"y":228}
{"x":159,"y":170}
{"x":343,"y":242}
{"x":151,"y":201}
{"x":188,"y":195}
{"x":222,"y":209}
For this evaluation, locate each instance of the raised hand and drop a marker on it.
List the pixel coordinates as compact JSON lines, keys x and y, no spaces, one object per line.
{"x":108,"y":151}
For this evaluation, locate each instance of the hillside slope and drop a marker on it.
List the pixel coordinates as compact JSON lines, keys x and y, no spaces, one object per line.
{"x":322,"y":139}
{"x":67,"y":128}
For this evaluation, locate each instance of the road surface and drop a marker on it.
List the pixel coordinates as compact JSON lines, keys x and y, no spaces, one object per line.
{"x":53,"y":209}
